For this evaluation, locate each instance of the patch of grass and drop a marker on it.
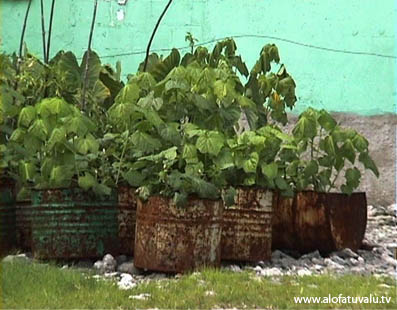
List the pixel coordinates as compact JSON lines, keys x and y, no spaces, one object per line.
{"x":34,"y":286}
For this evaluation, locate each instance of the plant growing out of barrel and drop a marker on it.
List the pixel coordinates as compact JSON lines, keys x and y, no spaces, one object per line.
{"x":322,"y":162}
{"x":322,"y":152}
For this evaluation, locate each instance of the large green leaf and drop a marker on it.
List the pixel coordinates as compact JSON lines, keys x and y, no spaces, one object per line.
{"x":152,"y":116}
{"x":306,"y":128}
{"x":47,"y":165}
{"x":311,"y":169}
{"x":162,"y":68}
{"x":329,"y":146}
{"x":170,"y":132}
{"x":111,"y":79}
{"x":99,"y":92}
{"x":352,"y":176}
{"x":26,"y":116}
{"x":39,"y":130}
{"x":120,"y":113}
{"x":326,"y":120}
{"x":87,"y":181}
{"x":68,"y":72}
{"x":360,"y":143}
{"x":94,"y":66}
{"x":128,"y":94}
{"x":86,"y":145}
{"x":224,"y":160}
{"x":348,"y":151}
{"x":281,"y":183}
{"x":190,"y":153}
{"x":61,"y":176}
{"x":32,"y":144}
{"x":53,"y":106}
{"x":80,"y":125}
{"x":58,"y":135}
{"x":368,"y":163}
{"x":150,"y":102}
{"x":341,"y":135}
{"x":270,"y":171}
{"x":210,"y":142}
{"x":134,"y":178}
{"x":144,"y":142}
{"x":18,"y":135}
{"x":251,"y":163}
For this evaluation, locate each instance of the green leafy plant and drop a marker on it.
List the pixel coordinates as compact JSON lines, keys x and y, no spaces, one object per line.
{"x":272,"y":92}
{"x":322,"y":151}
{"x":62,"y":146}
{"x":183,"y":110}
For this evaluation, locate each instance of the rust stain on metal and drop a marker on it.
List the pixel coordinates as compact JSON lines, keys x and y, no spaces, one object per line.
{"x":172,"y":239}
{"x":348,"y":219}
{"x":71,"y":223}
{"x":320,"y":221}
{"x":247,"y":226}
{"x":23,"y":215}
{"x":127,"y":218}
{"x":283,"y":227}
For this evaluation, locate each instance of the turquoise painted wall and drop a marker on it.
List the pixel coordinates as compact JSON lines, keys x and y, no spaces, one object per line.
{"x":365,"y":84}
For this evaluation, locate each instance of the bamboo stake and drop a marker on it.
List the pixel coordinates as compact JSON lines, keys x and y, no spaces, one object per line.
{"x":88,"y":55}
{"x":153,"y":34}
{"x":50,"y":30}
{"x":43,"y":31}
{"x":24,"y":29}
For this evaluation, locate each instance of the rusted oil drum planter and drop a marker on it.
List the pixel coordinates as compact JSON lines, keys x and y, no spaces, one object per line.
{"x":24,"y":210}
{"x":320,"y":221}
{"x":127,"y":218}
{"x":7,"y":216}
{"x":247,"y":226}
{"x":71,"y":223}
{"x":172,"y":239}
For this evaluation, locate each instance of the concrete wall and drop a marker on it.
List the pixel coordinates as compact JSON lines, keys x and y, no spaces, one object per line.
{"x":360,"y":83}
{"x":363,"y":84}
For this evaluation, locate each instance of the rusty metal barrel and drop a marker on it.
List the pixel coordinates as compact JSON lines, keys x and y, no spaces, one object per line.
{"x":23,"y":219}
{"x":7,"y":216}
{"x":247,"y":226}
{"x":72,"y":223}
{"x":178,"y":239}
{"x":319,"y":221}
{"x":127,"y":218}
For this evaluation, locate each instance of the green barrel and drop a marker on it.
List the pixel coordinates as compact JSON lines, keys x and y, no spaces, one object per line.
{"x":72,"y":223}
{"x":7,"y":216}
{"x":24,"y":209}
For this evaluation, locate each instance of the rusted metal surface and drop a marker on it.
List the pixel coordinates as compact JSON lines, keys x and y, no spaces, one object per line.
{"x":283,"y":223}
{"x":127,"y":219}
{"x":247,"y":226}
{"x":72,"y":223}
{"x":7,"y":216}
{"x":172,"y":239}
{"x":23,"y":216}
{"x":320,"y":221}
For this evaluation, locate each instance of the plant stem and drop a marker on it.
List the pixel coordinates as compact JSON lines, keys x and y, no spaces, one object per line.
{"x":88,"y":55}
{"x":333,"y":182}
{"x":43,"y":31}
{"x":50,"y":30}
{"x":121,"y":161}
{"x":153,"y":34}
{"x":24,"y":29}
